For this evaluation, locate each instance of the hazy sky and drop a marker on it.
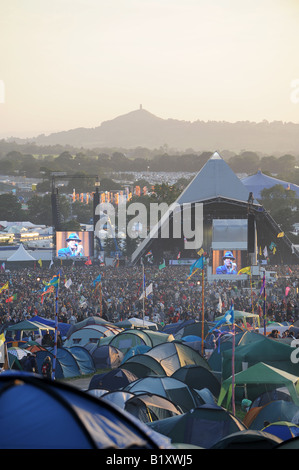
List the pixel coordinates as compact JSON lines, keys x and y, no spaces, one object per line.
{"x":76,"y":63}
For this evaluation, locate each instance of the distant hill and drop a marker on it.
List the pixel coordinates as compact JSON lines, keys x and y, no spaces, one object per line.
{"x":140,"y":128}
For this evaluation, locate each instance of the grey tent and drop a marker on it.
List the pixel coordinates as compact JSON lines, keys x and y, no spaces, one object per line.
{"x":173,"y":389}
{"x":174,"y":355}
{"x":248,"y":439}
{"x":148,"y":407}
{"x":127,"y":339}
{"x":115,"y":379}
{"x":88,"y":334}
{"x":198,"y":377}
{"x":202,"y":426}
{"x":106,"y":357}
{"x":143,"y":366}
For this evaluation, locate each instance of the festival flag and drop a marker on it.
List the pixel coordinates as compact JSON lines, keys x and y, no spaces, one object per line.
{"x":148,"y":291}
{"x":280,"y":235}
{"x":116,"y":261}
{"x":287,"y":291}
{"x":54,"y":281}
{"x":260,"y":251}
{"x":162,"y":265}
{"x":198,"y":264}
{"x":68,"y":283}
{"x":246,"y":270}
{"x":51,"y":264}
{"x":265,"y":252}
{"x":219,"y":305}
{"x":11,"y":298}
{"x":2,"y":267}
{"x":272,"y":246}
{"x":4,"y":287}
{"x":229,"y":317}
{"x":47,"y":290}
{"x":88,"y":262}
{"x":179,"y":255}
{"x":98,"y":279}
{"x":40,"y":262}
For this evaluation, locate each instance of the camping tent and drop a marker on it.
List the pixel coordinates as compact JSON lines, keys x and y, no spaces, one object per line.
{"x":248,"y":439}
{"x":62,"y":327}
{"x":105,"y":357}
{"x":202,"y":426}
{"x":143,"y":366}
{"x":192,"y":329}
{"x":112,"y":380}
{"x":282,"y":429}
{"x":245,"y":337}
{"x":173,"y":389}
{"x":198,"y":377}
{"x":243,"y":316}
{"x":94,"y":320}
{"x":272,"y":352}
{"x":137,"y":323}
{"x":127,"y":339}
{"x":174,"y":355}
{"x":20,"y":329}
{"x":68,"y":417}
{"x":258,"y":379}
{"x":173,"y":328}
{"x":83,"y":358}
{"x":148,"y":407}
{"x":88,"y":334}
{"x":278,"y":410}
{"x":140,"y":349}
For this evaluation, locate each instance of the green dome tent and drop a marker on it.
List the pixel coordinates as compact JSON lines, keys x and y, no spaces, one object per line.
{"x":260,"y":378}
{"x":129,"y":338}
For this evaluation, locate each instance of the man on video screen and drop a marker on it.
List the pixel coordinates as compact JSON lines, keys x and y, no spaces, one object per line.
{"x":74,"y":247}
{"x":228,"y":267}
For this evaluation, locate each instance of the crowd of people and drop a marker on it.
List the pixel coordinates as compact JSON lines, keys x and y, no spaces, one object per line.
{"x":118,"y":296}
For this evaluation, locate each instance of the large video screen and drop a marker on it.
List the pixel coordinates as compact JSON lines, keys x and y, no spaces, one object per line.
{"x":228,"y":261}
{"x":74,"y":244}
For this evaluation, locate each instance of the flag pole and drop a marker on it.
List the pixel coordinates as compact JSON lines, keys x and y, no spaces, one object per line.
{"x":101,"y":306}
{"x":143,"y":283}
{"x":56,"y":329}
{"x":202,"y":310}
{"x":264,"y":310}
{"x":233,"y":364}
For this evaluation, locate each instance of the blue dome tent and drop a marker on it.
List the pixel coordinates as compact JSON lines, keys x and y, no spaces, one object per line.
{"x":68,"y":418}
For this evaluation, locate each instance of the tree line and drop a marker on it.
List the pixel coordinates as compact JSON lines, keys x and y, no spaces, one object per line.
{"x":285,"y":167}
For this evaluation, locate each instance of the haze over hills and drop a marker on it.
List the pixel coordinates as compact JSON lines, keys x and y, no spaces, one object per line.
{"x":140,"y":128}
